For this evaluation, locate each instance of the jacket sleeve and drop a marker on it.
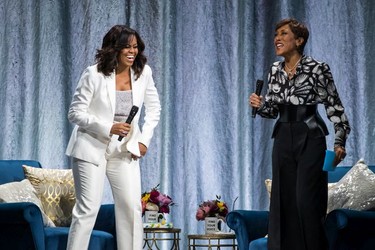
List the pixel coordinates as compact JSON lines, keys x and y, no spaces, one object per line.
{"x":268,"y":108}
{"x":152,"y":110}
{"x":333,"y":105}
{"x":79,"y":110}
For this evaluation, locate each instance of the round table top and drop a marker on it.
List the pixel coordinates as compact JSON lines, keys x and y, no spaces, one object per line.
{"x":161,"y":230}
{"x":212,"y":236}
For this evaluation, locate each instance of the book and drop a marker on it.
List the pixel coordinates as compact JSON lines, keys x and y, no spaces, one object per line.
{"x":329,"y":161}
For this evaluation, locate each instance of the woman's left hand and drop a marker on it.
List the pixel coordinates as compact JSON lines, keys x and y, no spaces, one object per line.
{"x":340,"y":154}
{"x":142,"y":150}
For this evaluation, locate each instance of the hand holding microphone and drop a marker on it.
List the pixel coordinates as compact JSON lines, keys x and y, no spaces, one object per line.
{"x":130,"y":118}
{"x":255,"y":99}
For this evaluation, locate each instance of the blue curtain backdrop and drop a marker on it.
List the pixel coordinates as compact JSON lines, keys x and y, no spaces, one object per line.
{"x":206,"y":57}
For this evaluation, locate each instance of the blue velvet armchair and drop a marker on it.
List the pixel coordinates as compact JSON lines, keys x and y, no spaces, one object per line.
{"x":21,"y":224}
{"x":345,"y":229}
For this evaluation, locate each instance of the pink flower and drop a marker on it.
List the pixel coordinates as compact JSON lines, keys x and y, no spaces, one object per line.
{"x":200,"y":215}
{"x":164,"y":200}
{"x":207,"y":208}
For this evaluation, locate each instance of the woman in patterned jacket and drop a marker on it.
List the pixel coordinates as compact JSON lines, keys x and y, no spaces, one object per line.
{"x":296,"y":86}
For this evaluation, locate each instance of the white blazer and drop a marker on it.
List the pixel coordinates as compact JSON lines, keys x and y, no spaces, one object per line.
{"x":93,"y":110}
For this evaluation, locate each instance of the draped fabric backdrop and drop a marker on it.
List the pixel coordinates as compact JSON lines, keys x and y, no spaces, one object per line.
{"x":206,"y":57}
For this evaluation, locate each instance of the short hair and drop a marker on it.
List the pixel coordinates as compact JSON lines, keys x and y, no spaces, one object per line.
{"x":298,"y":29}
{"x":114,"y":41}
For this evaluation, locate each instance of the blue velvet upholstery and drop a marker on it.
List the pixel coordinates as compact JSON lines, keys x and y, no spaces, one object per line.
{"x":258,"y":244}
{"x":11,"y":170}
{"x":350,"y":229}
{"x":345,"y":229}
{"x":21,"y":224}
{"x":57,"y":238}
{"x":248,"y":225}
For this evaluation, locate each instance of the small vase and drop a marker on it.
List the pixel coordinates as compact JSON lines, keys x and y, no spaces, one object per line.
{"x":212,"y":225}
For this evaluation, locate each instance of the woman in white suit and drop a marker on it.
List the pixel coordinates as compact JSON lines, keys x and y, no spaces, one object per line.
{"x":100,"y":106}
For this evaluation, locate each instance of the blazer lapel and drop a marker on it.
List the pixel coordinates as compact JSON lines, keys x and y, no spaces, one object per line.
{"x":135,"y":88}
{"x":111,"y":88}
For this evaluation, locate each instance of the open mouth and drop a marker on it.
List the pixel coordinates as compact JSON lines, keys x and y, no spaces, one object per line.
{"x":279,"y":45}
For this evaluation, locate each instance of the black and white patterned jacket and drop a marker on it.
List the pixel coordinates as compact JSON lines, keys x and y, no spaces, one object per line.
{"x":312,"y":84}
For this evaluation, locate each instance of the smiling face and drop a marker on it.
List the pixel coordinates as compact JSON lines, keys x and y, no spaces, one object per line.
{"x":286,"y":43}
{"x":128,"y":54}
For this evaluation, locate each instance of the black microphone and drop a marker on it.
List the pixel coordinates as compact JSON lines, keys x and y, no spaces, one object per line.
{"x":258,"y":89}
{"x":132,"y":113}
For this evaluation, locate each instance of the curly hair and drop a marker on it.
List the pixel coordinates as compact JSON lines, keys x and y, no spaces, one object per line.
{"x":298,"y":29}
{"x":113,"y":42}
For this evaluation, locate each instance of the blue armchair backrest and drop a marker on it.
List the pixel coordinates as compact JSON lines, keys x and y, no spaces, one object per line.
{"x":335,"y":176}
{"x":11,"y":170}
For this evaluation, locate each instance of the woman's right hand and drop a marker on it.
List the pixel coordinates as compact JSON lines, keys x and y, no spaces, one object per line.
{"x":120,"y":128}
{"x":255,"y":100}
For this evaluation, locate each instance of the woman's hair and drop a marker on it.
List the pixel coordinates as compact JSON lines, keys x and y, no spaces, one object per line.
{"x":113,"y":42}
{"x":298,"y":29}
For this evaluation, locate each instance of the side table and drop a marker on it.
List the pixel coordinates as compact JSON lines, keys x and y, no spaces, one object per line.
{"x":154,"y":236}
{"x":209,"y":241}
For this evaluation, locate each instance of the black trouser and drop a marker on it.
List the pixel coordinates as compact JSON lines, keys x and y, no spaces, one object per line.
{"x":299,"y":190}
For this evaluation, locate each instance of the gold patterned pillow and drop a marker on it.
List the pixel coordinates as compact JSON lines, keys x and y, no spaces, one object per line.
{"x":55,"y":188}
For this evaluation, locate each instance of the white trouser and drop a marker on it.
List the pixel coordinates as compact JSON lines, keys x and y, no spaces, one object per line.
{"x":125,"y":181}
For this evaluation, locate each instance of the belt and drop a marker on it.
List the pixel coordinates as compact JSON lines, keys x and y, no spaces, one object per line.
{"x":296,"y":113}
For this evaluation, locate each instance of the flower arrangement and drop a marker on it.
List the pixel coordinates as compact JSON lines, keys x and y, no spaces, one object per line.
{"x":212,"y":208}
{"x":156,"y":201}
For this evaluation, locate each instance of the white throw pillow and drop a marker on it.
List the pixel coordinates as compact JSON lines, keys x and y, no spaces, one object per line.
{"x":23,"y":191}
{"x":355,"y":190}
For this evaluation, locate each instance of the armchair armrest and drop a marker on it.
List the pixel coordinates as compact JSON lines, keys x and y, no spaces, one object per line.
{"x":105,"y":220}
{"x":350,"y":229}
{"x":21,"y":226}
{"x":248,"y":225}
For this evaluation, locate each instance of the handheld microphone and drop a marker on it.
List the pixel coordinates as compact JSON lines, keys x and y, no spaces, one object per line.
{"x":258,"y":89}
{"x":130,"y":118}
